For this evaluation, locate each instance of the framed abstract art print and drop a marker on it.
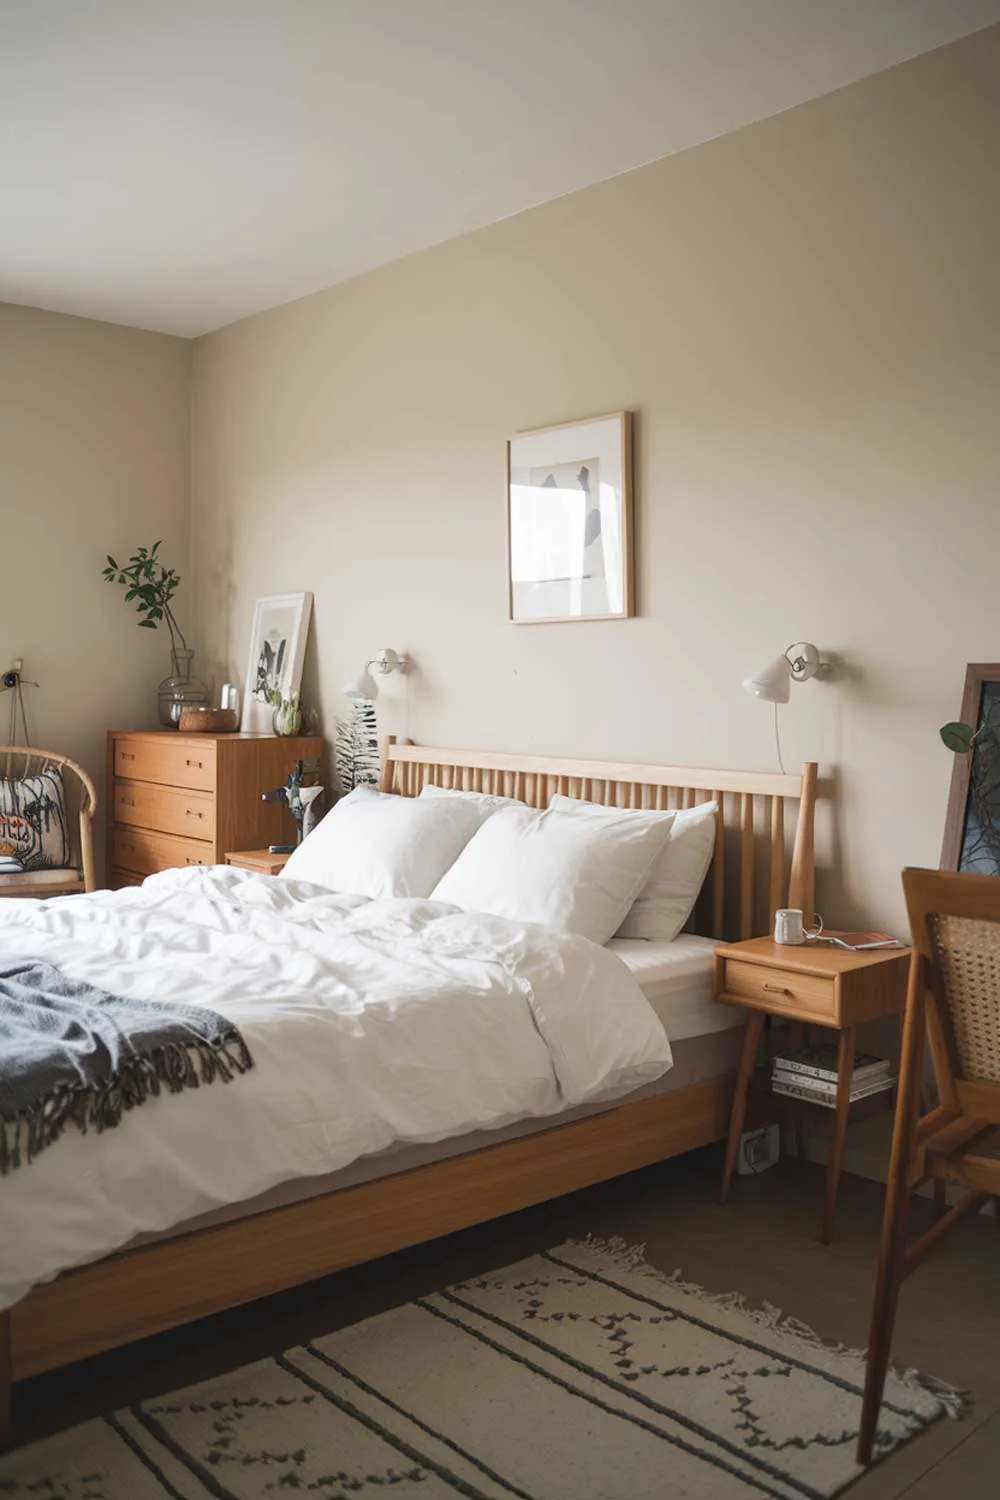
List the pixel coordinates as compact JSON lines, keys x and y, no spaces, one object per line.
{"x":569,"y":521}
{"x":277,"y":652}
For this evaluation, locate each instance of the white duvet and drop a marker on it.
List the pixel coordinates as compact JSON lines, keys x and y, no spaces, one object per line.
{"x":369,"y":1022}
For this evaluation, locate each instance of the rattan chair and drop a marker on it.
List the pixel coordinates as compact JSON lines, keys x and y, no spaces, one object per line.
{"x":16,"y":762}
{"x":953,"y":1001}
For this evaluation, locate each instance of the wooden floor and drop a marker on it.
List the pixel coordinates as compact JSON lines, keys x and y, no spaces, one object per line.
{"x":763,"y":1244}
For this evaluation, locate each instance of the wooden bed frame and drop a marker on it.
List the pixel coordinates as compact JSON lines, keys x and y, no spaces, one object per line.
{"x":135,"y":1293}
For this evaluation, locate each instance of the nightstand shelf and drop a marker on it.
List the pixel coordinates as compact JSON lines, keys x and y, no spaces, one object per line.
{"x":765,"y":1107}
{"x":807,"y":986}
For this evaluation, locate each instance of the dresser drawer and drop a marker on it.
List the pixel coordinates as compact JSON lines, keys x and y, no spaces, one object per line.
{"x":166,"y":762}
{"x":164,"y":809}
{"x":144,"y":853}
{"x":118,"y":879}
{"x":779,"y":990}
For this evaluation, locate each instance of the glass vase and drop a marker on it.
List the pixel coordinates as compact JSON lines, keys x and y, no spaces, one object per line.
{"x":287,"y":716}
{"x":180,"y":690}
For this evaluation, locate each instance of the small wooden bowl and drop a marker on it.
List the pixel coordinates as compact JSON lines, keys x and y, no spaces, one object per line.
{"x":208,"y":721}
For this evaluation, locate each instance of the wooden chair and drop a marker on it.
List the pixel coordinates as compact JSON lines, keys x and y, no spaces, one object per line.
{"x":17,"y":762}
{"x":953,"y":1000}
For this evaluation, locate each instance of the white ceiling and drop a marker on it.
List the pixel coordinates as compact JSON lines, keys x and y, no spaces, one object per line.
{"x":178,"y":164}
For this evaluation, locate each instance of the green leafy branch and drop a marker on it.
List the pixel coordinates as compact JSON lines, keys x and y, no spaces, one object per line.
{"x":985,"y":779}
{"x":958,"y":736}
{"x":150,"y":587}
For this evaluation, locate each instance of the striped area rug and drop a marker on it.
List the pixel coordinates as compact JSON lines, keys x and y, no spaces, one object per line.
{"x":578,"y":1374}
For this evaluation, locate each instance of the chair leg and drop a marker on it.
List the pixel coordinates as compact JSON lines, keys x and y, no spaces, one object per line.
{"x":888,"y":1282}
{"x":5,"y":1380}
{"x":892,"y":1251}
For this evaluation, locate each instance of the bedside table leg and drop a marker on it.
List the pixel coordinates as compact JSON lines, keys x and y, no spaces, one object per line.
{"x":838,"y":1130}
{"x":748,"y":1058}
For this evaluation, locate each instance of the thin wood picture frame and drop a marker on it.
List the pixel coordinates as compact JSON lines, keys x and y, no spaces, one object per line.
{"x":277,"y":653}
{"x":587,"y":461}
{"x":980,"y":695}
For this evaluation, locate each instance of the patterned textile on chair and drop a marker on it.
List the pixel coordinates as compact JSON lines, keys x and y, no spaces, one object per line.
{"x":34,"y":834}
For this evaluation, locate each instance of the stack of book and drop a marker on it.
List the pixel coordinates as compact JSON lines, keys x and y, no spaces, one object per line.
{"x":812,"y":1074}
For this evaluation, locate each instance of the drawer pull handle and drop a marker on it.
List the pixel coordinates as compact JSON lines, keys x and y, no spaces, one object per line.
{"x":777,"y":989}
{"x":125,"y":755}
{"x":196,"y":763}
{"x":189,"y":812}
{"x":128,"y":801}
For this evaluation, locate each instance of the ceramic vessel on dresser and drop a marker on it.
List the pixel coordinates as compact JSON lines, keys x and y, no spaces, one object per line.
{"x":188,"y":799}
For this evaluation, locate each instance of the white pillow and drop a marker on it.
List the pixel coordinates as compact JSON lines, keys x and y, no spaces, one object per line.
{"x":484,"y":802}
{"x":678,"y":874}
{"x":566,"y":870}
{"x":377,"y":844}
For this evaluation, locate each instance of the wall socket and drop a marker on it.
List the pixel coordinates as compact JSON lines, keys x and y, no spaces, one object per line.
{"x":759,"y":1149}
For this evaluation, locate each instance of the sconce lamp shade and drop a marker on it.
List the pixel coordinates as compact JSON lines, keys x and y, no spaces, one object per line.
{"x":362,"y":686}
{"x":385,"y":661}
{"x":772,"y":683}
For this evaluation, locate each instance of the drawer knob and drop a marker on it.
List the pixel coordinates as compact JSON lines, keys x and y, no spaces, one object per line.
{"x":777,"y":989}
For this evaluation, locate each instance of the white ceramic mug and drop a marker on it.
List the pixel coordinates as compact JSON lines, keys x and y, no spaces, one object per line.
{"x":788,"y":928}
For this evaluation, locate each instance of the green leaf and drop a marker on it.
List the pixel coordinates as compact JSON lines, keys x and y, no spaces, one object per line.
{"x":147,"y":624}
{"x":111,"y":562}
{"x":958,"y":737}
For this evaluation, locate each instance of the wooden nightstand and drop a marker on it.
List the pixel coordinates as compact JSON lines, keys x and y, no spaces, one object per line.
{"x":259,"y":860}
{"x":817,"y":985}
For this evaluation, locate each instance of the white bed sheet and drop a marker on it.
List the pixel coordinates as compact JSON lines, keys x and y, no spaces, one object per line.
{"x":677,"y":980}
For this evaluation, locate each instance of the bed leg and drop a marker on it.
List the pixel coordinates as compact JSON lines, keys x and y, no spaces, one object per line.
{"x":5,"y":1380}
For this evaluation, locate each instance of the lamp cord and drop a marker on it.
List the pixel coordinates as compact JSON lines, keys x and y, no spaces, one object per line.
{"x":17,"y":703}
{"x":777,"y":740}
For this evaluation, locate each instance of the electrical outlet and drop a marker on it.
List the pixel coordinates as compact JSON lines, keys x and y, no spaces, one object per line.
{"x":759,"y":1150}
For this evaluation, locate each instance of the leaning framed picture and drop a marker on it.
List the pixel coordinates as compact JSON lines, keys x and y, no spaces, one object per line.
{"x":277,"y":651}
{"x":972,"y":823}
{"x":569,"y":522}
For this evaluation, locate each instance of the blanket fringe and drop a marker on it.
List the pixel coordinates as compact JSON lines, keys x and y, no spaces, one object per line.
{"x":954,"y":1402}
{"x":172,"y":1065}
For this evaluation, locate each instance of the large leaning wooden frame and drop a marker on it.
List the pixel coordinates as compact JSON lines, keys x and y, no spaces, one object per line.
{"x":135,"y":1293}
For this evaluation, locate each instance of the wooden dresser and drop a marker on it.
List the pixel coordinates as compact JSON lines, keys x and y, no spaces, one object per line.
{"x":189,"y":799}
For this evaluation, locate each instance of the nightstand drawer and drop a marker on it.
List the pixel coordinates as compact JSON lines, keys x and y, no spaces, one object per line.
{"x":779,"y":989}
{"x":145,"y":853}
{"x":165,"y":762}
{"x":164,"y":809}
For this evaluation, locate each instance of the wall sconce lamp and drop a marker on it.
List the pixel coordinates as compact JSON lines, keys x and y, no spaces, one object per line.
{"x":384,"y":662}
{"x":796,"y":664}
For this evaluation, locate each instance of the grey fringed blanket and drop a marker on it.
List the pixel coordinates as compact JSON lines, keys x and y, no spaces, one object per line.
{"x":73,"y":1054}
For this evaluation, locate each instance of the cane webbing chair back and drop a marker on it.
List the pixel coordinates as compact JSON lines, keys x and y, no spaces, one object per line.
{"x":16,"y":764}
{"x":967,"y":959}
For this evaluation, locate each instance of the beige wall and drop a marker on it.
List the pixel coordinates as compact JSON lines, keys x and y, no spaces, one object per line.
{"x":94,"y":458}
{"x":805,"y":316}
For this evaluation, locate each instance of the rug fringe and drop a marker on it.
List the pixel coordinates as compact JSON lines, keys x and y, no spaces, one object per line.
{"x":955,"y":1402}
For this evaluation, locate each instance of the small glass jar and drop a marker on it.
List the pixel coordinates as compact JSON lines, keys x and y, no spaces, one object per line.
{"x":286,"y":719}
{"x":180,"y":690}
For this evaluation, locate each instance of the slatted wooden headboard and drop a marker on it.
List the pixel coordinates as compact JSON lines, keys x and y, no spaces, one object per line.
{"x":751,"y":875}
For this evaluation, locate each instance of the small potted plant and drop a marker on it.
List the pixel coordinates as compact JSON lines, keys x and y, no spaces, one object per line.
{"x":150,"y":587}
